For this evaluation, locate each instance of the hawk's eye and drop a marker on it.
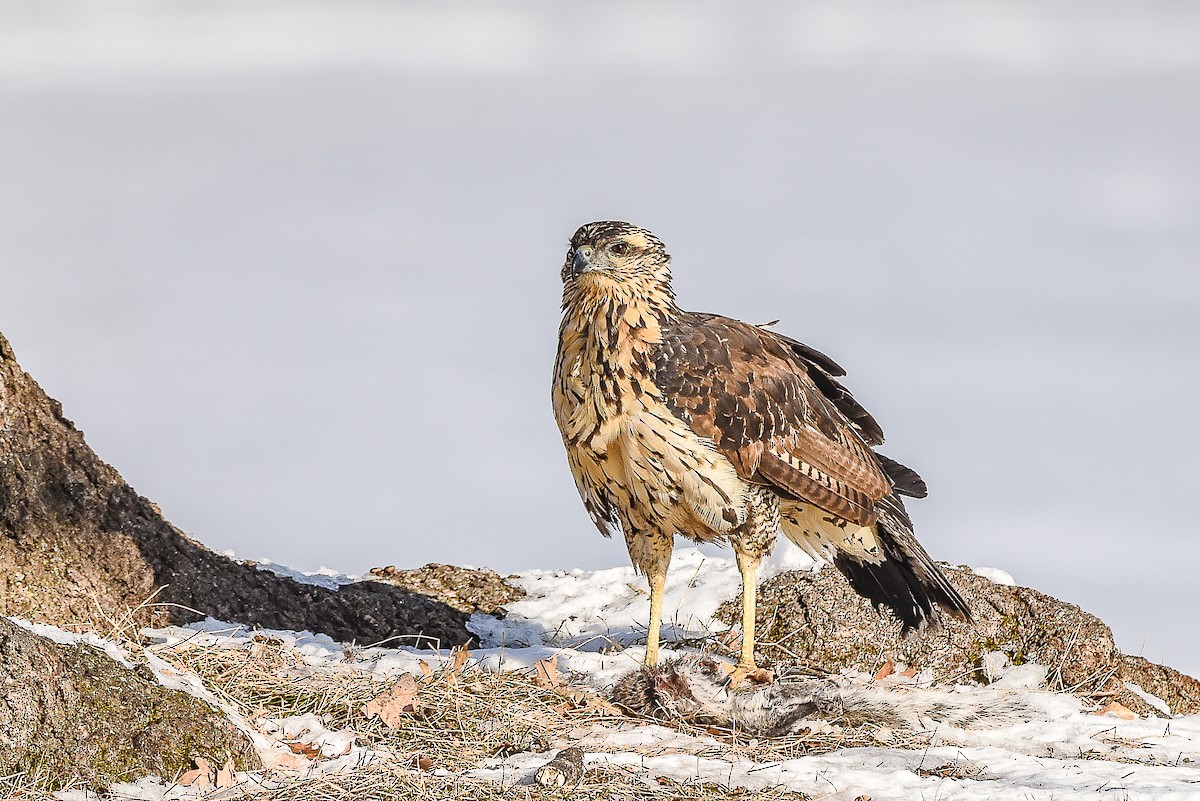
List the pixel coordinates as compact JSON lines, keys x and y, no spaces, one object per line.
{"x":619,"y":249}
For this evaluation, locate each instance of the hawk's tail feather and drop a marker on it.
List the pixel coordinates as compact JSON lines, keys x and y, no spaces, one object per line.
{"x":908,"y":581}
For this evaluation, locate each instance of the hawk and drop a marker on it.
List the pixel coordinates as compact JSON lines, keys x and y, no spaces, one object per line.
{"x":693,"y":424}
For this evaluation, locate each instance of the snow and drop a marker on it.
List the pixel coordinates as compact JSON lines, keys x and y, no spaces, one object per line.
{"x":995,"y":575}
{"x":588,"y":610}
{"x":55,"y":634}
{"x":324,"y":577}
{"x":1152,"y":700}
{"x":594,"y":622}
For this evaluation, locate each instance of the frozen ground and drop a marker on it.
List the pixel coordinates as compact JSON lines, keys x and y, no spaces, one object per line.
{"x":592,"y":620}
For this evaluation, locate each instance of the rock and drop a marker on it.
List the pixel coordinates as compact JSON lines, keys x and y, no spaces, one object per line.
{"x":565,"y":769}
{"x":75,"y":538}
{"x":818,"y":621}
{"x":73,"y":712}
{"x":1179,"y":691}
{"x":466,"y":589}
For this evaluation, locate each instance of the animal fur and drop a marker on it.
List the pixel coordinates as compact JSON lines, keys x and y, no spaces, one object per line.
{"x":695,"y":689}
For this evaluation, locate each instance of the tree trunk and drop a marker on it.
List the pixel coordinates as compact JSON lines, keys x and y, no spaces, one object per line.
{"x":75,"y":538}
{"x":73,"y":712}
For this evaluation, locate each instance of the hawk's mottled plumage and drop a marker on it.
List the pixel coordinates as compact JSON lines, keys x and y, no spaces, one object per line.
{"x":679,"y":422}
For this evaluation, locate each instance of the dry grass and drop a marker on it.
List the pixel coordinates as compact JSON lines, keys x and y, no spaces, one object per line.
{"x":464,"y":718}
{"x":379,"y":784}
{"x":29,"y":787}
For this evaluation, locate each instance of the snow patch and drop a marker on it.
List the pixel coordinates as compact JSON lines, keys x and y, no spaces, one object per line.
{"x":995,"y":575}
{"x":590,"y":610}
{"x":57,"y":635}
{"x":1152,"y":700}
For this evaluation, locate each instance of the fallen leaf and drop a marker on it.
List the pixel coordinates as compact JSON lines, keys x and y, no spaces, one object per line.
{"x":545,"y":673}
{"x":426,"y":670}
{"x":201,"y":777}
{"x":575,"y":695}
{"x":460,"y":659}
{"x":889,"y":667}
{"x":909,"y":672}
{"x":605,"y":707}
{"x":761,"y":676}
{"x":736,"y":676}
{"x":305,"y":749}
{"x":395,"y":704}
{"x":1120,"y":710}
{"x":225,"y":775}
{"x":424,"y":762}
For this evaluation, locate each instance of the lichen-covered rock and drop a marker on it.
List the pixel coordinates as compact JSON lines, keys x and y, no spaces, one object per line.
{"x":817,"y":620}
{"x":466,"y":589}
{"x":1180,"y":692}
{"x":71,"y":712}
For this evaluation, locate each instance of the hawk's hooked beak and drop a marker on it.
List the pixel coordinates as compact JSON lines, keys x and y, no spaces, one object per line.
{"x":580,"y":264}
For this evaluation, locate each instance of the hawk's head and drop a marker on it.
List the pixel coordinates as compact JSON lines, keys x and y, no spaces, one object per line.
{"x":617,"y":259}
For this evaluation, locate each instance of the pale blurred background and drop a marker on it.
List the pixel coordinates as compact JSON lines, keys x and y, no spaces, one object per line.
{"x":293,"y":266}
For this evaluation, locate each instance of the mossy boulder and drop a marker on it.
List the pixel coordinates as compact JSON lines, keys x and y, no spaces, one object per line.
{"x":817,"y":620}
{"x":73,"y":713}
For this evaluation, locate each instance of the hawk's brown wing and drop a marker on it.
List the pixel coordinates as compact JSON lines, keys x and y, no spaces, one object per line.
{"x":773,"y":407}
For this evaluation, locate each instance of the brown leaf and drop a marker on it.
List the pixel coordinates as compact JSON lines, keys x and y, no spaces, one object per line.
{"x":545,"y":673}
{"x":426,"y":670}
{"x":455,"y":668}
{"x":1120,"y":710}
{"x":225,"y":775}
{"x":573,"y":694}
{"x":889,"y":667}
{"x":605,"y":707}
{"x":761,"y":676}
{"x":395,"y":704}
{"x":201,"y":777}
{"x":305,"y":749}
{"x":909,"y":672}
{"x":424,"y":762}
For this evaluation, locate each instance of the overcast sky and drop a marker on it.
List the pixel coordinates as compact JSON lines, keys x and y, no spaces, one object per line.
{"x":293,"y":267}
